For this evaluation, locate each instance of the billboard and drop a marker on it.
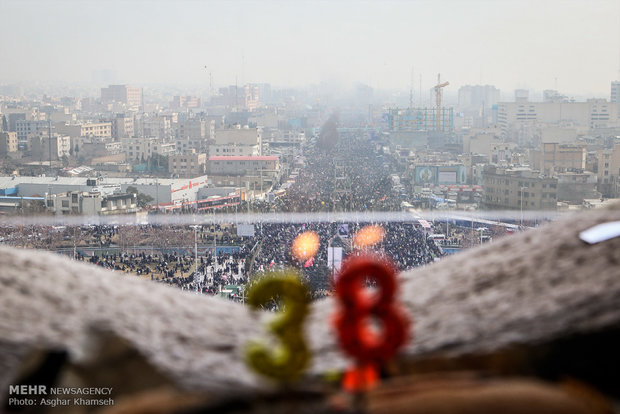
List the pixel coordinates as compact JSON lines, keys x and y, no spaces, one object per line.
{"x":439,"y":174}
{"x":425,"y":174}
{"x":334,"y":258}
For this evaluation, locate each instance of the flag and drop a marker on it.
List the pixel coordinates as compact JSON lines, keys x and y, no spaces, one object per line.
{"x":309,"y":262}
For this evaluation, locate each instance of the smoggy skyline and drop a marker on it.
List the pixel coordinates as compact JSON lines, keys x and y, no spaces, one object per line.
{"x":571,"y":45}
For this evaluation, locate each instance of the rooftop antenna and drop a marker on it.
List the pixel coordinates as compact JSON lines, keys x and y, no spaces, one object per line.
{"x":420,"y":98}
{"x":210,"y":81}
{"x":243,"y":67}
{"x":411,"y":90}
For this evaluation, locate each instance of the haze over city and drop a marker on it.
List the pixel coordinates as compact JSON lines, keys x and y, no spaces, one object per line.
{"x":572,"y":46}
{"x":425,"y":194}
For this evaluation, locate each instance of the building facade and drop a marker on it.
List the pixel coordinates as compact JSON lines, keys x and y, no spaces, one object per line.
{"x":8,"y":143}
{"x":25,"y":128}
{"x":101,"y":130}
{"x":557,"y":157}
{"x":132,"y":97}
{"x":615,"y":92}
{"x":141,"y":149}
{"x":592,"y":114}
{"x":609,"y":171}
{"x":43,"y":147}
{"x":187,"y":165}
{"x":237,"y":142}
{"x":242,"y":165}
{"x":91,"y":203}
{"x":514,"y":189}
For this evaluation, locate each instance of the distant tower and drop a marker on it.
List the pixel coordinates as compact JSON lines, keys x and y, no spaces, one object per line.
{"x":411,"y":91}
{"x":615,"y":92}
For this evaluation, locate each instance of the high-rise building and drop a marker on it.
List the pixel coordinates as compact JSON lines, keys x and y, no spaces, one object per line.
{"x":131,"y":97}
{"x":181,"y":102}
{"x":592,"y":114}
{"x":475,"y":97}
{"x":615,"y":92}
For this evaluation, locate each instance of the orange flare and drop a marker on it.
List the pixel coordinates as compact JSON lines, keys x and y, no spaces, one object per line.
{"x":368,"y":236}
{"x":305,"y":245}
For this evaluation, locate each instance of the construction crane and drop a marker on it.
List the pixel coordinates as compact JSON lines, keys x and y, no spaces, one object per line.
{"x":437,"y":89}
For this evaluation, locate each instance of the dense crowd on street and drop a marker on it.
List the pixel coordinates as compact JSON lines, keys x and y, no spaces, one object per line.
{"x":354,"y":175}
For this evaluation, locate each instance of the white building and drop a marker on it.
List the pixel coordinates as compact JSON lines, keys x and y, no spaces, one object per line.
{"x":144,"y":148}
{"x":162,"y":190}
{"x":592,"y":114}
{"x":475,"y":97}
{"x":236,"y":141}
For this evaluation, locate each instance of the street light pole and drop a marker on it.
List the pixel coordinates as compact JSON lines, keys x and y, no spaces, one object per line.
{"x":522,"y":188}
{"x":196,"y":276}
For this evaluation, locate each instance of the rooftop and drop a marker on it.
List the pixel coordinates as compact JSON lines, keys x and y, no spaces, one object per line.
{"x":243,"y":158}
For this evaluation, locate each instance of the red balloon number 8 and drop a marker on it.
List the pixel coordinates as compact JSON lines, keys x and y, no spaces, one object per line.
{"x":359,"y":307}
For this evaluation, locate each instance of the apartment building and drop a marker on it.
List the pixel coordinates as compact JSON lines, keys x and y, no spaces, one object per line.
{"x":258,"y":173}
{"x":557,"y":157}
{"x":8,"y":143}
{"x":615,"y":92}
{"x":101,"y":130}
{"x":153,"y":126}
{"x":185,"y":102}
{"x":41,"y":147}
{"x":132,"y":97}
{"x":592,"y":114}
{"x":236,"y":141}
{"x":91,"y":203}
{"x":242,"y":165}
{"x":188,"y":164}
{"x":25,"y":128}
{"x":609,"y":171}
{"x":519,"y":188}
{"x":575,"y":187}
{"x":121,"y":127}
{"x":143,"y":148}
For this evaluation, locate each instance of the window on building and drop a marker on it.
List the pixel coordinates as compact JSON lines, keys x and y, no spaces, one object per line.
{"x":65,"y":203}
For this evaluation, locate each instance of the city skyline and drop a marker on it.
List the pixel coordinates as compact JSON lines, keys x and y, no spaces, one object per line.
{"x":509,"y":44}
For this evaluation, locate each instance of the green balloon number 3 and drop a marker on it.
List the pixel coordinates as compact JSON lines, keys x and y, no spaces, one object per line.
{"x":288,"y":360}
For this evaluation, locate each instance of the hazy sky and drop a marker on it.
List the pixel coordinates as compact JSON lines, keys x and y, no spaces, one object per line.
{"x":508,"y":44}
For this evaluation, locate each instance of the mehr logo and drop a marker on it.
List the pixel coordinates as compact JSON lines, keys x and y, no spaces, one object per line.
{"x":28,"y":389}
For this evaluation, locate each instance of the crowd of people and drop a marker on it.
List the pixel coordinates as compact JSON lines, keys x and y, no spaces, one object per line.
{"x":353,"y":175}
